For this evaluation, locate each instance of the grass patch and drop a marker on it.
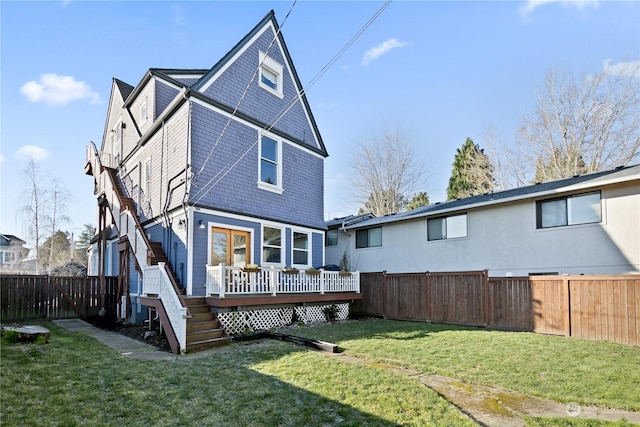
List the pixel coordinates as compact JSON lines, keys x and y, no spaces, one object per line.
{"x":557,"y":368}
{"x":74,"y":380}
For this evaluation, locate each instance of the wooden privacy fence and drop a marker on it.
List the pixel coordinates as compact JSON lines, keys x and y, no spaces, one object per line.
{"x":590,"y":307}
{"x":25,"y":297}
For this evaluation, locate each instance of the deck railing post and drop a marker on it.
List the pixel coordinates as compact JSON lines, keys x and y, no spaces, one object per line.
{"x":322,"y":282}
{"x":222,"y":284}
{"x":273,"y":275}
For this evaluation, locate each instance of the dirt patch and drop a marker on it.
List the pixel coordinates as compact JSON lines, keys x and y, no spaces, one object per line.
{"x":136,"y":331}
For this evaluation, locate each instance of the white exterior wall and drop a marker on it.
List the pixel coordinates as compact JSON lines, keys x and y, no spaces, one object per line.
{"x":504,"y":240}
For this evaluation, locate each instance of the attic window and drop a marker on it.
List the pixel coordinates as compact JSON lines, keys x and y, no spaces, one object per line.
{"x":270,"y":77}
{"x":144,"y":111}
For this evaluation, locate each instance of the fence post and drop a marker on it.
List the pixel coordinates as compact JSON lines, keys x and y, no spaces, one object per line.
{"x":428,"y":279}
{"x":485,"y":280}
{"x":567,"y":286}
{"x":384,"y":294}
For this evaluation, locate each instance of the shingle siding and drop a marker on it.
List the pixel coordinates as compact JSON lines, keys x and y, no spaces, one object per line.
{"x":164,"y":94}
{"x":230,"y":186}
{"x":258,"y":103}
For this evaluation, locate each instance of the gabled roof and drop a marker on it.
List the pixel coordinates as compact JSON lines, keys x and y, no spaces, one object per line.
{"x":171,"y":75}
{"x":11,"y":238}
{"x":124,"y":88}
{"x":580,"y":182}
{"x":268,"y":19}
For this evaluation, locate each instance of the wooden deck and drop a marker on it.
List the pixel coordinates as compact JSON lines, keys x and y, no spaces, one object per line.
{"x":280,"y":299}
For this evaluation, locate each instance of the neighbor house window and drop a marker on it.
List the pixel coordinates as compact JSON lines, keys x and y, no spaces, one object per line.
{"x":448,"y":227}
{"x":270,"y":75}
{"x":271,"y":245}
{"x":270,"y":164}
{"x":331,"y":238}
{"x":300,"y":248}
{"x":570,"y":210}
{"x":369,"y":237}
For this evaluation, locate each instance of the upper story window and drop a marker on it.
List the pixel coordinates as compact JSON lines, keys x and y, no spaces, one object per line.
{"x":144,"y":111}
{"x":448,"y":227}
{"x":569,"y":210}
{"x":147,"y":180}
{"x":270,"y":77}
{"x":331,"y":238}
{"x":369,"y":237}
{"x":300,"y":248}
{"x":272,"y":245}
{"x":270,"y":164}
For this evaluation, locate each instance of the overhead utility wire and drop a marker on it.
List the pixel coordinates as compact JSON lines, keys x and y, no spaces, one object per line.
{"x":255,"y":73}
{"x":210,"y":184}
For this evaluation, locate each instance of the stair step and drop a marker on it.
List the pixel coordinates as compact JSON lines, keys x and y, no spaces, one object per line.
{"x":196,"y":309}
{"x":202,"y":317}
{"x":203,"y":326}
{"x":208,"y":334}
{"x":201,"y":345}
{"x":195,"y":301}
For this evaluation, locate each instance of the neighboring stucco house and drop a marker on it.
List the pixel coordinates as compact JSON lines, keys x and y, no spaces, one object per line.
{"x":586,"y":224}
{"x":12,"y":252}
{"x":204,"y":173}
{"x":337,"y":250}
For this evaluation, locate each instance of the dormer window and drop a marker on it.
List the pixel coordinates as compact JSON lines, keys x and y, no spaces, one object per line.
{"x":270,"y":77}
{"x":144,"y":111}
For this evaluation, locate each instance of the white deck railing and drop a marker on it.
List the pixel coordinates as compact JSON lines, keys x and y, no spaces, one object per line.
{"x":225,"y":280}
{"x":157,"y":282}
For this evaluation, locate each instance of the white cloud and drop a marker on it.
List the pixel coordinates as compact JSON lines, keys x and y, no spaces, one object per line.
{"x":531,"y":5}
{"x":631,"y":69}
{"x":28,"y":152}
{"x":58,"y":90}
{"x":377,"y":51}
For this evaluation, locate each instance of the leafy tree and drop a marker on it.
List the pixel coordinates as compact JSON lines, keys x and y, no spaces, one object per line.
{"x":55,"y":251}
{"x":472,"y":172}
{"x":34,"y":201}
{"x":419,"y":199}
{"x":87,"y":234}
{"x":580,"y":125}
{"x":386,"y":171}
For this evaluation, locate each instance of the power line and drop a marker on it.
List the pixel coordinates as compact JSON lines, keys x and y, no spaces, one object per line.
{"x":211,"y":184}
{"x":246,"y":89}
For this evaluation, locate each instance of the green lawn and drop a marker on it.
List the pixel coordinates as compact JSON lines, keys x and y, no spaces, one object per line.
{"x":75,"y":380}
{"x":557,"y":368}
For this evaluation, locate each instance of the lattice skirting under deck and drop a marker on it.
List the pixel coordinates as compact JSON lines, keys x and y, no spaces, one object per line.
{"x":237,"y":322}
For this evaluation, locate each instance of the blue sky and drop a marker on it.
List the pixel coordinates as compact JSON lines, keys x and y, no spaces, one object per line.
{"x":437,"y":71}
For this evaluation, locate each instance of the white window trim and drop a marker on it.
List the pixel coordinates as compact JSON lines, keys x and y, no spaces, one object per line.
{"x":274,"y":67}
{"x":261,"y":184}
{"x":147,"y":176}
{"x":309,"y":249}
{"x":262,"y":246}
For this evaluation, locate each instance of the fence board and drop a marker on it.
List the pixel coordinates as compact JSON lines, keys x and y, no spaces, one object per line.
{"x":26,"y":297}
{"x":590,"y":307}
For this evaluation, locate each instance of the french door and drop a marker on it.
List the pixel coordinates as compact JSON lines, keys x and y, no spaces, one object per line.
{"x":232,"y":247}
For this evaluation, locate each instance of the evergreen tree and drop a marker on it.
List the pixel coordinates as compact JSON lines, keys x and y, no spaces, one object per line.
{"x":472,"y":172}
{"x":419,"y":199}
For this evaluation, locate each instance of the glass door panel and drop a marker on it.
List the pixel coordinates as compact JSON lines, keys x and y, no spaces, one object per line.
{"x":232,"y":247}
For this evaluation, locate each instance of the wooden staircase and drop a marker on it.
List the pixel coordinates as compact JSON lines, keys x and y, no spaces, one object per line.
{"x":203,"y":327}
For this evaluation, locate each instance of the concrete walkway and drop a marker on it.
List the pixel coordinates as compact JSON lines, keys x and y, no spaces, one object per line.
{"x":127,"y":347}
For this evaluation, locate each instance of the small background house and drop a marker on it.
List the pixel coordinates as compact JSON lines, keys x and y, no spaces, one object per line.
{"x":586,"y":224}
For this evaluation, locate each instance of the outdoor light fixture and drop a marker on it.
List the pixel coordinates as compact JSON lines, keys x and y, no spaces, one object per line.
{"x":201,"y":225}
{"x":181,"y":224}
